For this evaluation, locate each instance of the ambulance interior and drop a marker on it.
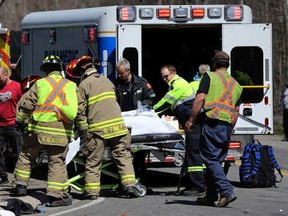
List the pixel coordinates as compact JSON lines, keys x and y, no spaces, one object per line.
{"x":187,"y":47}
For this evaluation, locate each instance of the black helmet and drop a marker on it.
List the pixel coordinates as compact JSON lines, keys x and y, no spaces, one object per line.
{"x":52,"y":61}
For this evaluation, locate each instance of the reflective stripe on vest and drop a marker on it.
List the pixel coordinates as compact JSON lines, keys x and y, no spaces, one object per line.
{"x":183,"y":101}
{"x":225,"y":102}
{"x":50,"y":130}
{"x":47,"y":106}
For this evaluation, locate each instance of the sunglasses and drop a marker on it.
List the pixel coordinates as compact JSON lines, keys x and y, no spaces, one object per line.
{"x":166,"y":76}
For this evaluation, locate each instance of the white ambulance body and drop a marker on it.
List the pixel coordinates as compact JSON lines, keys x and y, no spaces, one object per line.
{"x":150,"y":36}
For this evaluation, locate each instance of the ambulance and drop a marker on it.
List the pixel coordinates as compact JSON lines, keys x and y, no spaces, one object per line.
{"x":151,"y":36}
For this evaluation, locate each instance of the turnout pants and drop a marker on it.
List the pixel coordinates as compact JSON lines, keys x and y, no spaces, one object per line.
{"x":93,"y":152}
{"x":57,"y":173}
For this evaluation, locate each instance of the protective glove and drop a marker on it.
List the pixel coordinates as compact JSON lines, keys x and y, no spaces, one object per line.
{"x":19,"y":128}
{"x":83,"y":137}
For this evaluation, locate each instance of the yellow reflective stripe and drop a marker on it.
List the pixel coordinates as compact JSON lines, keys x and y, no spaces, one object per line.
{"x":22,"y":116}
{"x":55,"y":185}
{"x":107,"y":136}
{"x":100,"y":97}
{"x":127,"y":178}
{"x":48,"y":130}
{"x":22,"y":173}
{"x":196,"y":169}
{"x":107,"y":123}
{"x":82,"y":124}
{"x":92,"y":186}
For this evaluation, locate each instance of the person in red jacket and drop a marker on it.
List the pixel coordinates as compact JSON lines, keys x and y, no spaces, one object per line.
{"x":10,"y":93}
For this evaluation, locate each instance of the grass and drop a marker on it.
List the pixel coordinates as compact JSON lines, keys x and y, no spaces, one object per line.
{"x":278,"y":128}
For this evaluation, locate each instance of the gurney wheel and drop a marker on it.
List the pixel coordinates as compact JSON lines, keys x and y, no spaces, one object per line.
{"x":178,"y":162}
{"x":141,"y":190}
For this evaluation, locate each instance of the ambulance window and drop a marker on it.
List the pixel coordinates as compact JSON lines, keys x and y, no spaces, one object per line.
{"x":131,"y":54}
{"x":247,"y":69}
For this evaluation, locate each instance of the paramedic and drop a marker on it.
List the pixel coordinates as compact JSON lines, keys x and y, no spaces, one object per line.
{"x":50,"y":107}
{"x":129,"y":90}
{"x":10,"y":93}
{"x":180,"y":99}
{"x":106,"y":127}
{"x":219,"y":96}
{"x":203,"y":68}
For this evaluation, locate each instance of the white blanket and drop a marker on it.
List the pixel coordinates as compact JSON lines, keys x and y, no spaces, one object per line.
{"x":147,"y":122}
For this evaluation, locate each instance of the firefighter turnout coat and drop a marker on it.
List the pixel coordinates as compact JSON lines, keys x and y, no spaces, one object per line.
{"x":106,"y":127}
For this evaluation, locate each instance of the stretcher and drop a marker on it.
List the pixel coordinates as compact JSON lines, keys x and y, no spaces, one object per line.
{"x":148,"y":132}
{"x":156,"y":135}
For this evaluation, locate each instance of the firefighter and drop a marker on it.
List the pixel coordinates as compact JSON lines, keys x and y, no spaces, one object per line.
{"x":180,"y":99}
{"x":106,"y":127}
{"x":50,"y":106}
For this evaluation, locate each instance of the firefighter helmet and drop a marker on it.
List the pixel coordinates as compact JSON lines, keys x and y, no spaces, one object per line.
{"x":71,"y":69}
{"x":86,"y":62}
{"x":27,"y":82}
{"x":52,"y":61}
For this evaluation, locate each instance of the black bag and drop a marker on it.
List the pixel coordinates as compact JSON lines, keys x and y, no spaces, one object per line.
{"x":257,"y":166}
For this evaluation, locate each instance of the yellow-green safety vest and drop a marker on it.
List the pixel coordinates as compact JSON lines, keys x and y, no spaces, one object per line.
{"x":224,"y":92}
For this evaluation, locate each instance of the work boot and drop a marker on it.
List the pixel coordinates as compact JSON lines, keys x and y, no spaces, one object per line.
{"x":3,"y":180}
{"x":205,"y":201}
{"x":20,"y":190}
{"x":90,"y":196}
{"x":224,"y":201}
{"x":130,"y":192}
{"x":64,"y":200}
{"x":193,"y":192}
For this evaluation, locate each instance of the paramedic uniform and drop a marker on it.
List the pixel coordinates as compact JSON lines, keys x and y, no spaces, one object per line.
{"x":106,"y":127}
{"x":50,"y":128}
{"x":180,"y":97}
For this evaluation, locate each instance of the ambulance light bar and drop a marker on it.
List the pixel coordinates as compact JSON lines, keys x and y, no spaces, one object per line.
{"x":180,"y":13}
{"x":233,"y":13}
{"x":146,"y":13}
{"x":214,"y":13}
{"x":163,"y":13}
{"x":126,"y":14}
{"x":198,"y":12}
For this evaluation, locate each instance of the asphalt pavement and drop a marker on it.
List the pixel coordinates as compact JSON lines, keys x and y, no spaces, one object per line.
{"x":161,"y":181}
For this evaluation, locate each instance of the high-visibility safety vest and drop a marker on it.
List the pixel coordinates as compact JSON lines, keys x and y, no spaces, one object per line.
{"x":224,"y":92}
{"x":57,"y":100}
{"x":179,"y":92}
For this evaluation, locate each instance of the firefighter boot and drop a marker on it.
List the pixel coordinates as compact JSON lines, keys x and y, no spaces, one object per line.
{"x":130,"y":192}
{"x":20,"y":190}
